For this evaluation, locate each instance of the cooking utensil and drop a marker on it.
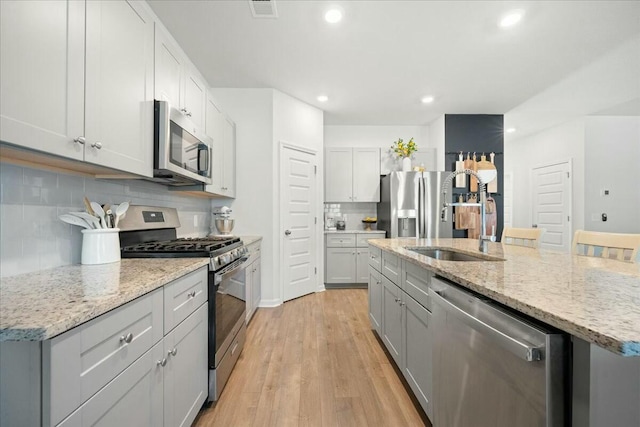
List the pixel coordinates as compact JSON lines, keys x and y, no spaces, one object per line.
{"x":92,"y":220}
{"x":109,"y":218}
{"x":491,"y":217}
{"x":224,"y":225}
{"x":87,"y":206}
{"x":493,"y":185}
{"x":99,"y":212}
{"x":461,"y":179}
{"x":120,"y":212}
{"x":74,"y":220}
{"x":486,"y":170}
{"x":474,"y":167}
{"x":459,"y":213}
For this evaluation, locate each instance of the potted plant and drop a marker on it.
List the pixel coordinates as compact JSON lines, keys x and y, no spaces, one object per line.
{"x":404,"y":150}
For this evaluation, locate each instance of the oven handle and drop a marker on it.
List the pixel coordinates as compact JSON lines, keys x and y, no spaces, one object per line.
{"x":229,"y":270}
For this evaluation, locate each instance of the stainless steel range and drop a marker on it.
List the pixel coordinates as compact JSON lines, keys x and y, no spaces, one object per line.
{"x":150,"y":232}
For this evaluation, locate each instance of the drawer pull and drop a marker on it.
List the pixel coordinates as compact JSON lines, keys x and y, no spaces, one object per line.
{"x":373,"y":257}
{"x":161,"y":362}
{"x":126,"y":338}
{"x":235,"y":347}
{"x":172,"y":352}
{"x":192,"y":294}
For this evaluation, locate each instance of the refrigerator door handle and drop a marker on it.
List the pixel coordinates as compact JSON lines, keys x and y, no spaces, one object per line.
{"x":421,"y":207}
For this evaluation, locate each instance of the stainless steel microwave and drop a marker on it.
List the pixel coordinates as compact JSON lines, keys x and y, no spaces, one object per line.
{"x":182,"y":152}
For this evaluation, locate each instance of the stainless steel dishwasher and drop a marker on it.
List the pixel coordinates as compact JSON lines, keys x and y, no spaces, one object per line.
{"x":492,"y":368}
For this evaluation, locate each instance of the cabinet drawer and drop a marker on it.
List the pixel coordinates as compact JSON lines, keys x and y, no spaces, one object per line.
{"x":254,"y":252}
{"x":83,"y":360}
{"x":362,"y":240}
{"x":341,"y":240}
{"x":183,"y":296}
{"x":391,"y":267}
{"x":415,"y":282}
{"x":375,"y":257}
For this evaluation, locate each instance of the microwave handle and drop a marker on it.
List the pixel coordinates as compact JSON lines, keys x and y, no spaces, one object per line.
{"x":203,"y":165}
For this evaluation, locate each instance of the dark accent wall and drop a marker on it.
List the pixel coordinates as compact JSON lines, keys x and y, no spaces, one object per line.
{"x":482,"y":133}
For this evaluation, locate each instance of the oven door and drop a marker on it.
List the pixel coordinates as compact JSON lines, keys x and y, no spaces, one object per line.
{"x":228,"y":288}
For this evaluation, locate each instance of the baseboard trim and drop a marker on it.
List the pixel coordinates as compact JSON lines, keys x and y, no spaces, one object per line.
{"x":270,"y":303}
{"x":346,"y":285}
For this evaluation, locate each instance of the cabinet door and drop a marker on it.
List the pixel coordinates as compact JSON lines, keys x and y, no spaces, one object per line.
{"x":42,"y":75}
{"x":133,"y":398}
{"x":169,"y":64}
{"x":417,"y":347}
{"x":256,"y":283}
{"x":249,"y":289}
{"x":338,"y":180}
{"x":229,"y":162}
{"x":392,"y":319}
{"x":214,"y":128}
{"x":119,"y":86}
{"x":340,"y":265}
{"x":375,"y":300}
{"x":194,"y":98}
{"x":366,"y":174}
{"x":186,"y":370}
{"x":362,"y":265}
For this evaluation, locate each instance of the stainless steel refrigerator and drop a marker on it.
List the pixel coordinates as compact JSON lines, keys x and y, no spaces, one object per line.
{"x":410,"y":204}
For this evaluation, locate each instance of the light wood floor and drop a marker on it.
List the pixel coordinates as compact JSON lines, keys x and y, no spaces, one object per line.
{"x":314,"y":361}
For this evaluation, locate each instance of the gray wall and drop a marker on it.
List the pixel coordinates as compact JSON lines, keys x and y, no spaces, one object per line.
{"x":32,"y":237}
{"x":612,"y":150}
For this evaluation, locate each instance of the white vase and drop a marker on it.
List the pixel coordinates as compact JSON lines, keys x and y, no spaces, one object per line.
{"x":406,"y":164}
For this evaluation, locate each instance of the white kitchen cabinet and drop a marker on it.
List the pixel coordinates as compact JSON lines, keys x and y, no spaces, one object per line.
{"x":77,"y":81}
{"x":352,"y":175}
{"x":133,"y":398}
{"x":254,"y":279}
{"x":392,"y":319}
{"x":186,"y":369}
{"x":347,"y":257}
{"x":42,"y":75}
{"x":222,"y":130}
{"x":176,"y":80}
{"x":375,"y":300}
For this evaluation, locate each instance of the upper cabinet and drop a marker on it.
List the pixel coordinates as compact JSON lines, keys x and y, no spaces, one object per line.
{"x":177,"y":81}
{"x":223,"y":132}
{"x":88,"y":102}
{"x":352,"y":175}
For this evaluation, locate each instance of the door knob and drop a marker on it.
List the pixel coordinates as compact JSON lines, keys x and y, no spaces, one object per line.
{"x":287,"y":232}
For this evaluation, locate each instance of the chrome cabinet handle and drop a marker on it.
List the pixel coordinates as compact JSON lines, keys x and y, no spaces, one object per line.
{"x":80,"y":140}
{"x":126,"y":338}
{"x":192,"y":294}
{"x":373,"y":257}
{"x":183,"y":110}
{"x":188,"y":114}
{"x":402,"y":304}
{"x":172,"y":352}
{"x":378,"y":282}
{"x":97,"y":145}
{"x":161,"y":362}
{"x":287,"y":232}
{"x":397,"y":299}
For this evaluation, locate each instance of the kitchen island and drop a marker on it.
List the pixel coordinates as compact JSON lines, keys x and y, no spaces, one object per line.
{"x":596,"y":301}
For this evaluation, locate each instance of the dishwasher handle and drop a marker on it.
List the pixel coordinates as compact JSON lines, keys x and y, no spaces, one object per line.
{"x":523,"y":350}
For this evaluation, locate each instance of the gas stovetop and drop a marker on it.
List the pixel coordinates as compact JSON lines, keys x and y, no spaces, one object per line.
{"x":186,"y":247}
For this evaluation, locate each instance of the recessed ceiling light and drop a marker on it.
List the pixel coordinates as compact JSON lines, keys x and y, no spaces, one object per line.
{"x":427,"y":99}
{"x":511,"y":18}
{"x":323,"y":98}
{"x":333,"y":16}
{"x":510,"y":130}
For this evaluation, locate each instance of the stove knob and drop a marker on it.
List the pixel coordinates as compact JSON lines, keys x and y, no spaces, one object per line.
{"x":216,"y":261}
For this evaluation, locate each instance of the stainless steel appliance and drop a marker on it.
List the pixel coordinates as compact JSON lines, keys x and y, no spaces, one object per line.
{"x":150,"y":232}
{"x":182,"y":152}
{"x":410,"y":204}
{"x":493,"y":368}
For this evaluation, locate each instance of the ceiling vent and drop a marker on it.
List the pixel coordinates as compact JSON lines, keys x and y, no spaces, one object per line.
{"x":263,"y":8}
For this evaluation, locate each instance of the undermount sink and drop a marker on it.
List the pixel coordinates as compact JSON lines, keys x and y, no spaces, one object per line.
{"x":448,"y":255}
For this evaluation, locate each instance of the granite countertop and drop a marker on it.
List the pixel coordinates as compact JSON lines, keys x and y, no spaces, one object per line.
{"x":247,"y":240}
{"x":352,"y":231}
{"x":595,"y":299}
{"x":37,"y":306}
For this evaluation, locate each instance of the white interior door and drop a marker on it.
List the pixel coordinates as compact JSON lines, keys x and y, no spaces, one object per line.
{"x":552,"y":205}
{"x":298,"y":201}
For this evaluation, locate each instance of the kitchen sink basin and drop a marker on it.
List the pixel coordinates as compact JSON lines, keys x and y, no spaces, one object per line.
{"x":449,"y":255}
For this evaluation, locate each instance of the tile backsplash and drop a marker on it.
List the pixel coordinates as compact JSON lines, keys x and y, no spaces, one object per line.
{"x":32,"y":237}
{"x":351,"y":213}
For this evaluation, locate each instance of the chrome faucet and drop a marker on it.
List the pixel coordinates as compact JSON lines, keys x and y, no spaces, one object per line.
{"x":483,"y":238}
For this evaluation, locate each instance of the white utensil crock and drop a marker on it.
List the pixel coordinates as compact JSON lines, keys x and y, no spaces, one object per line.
{"x":406,"y":164}
{"x":100,"y":246}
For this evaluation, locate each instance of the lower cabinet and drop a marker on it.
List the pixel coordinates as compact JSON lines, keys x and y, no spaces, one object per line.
{"x":254,"y":280}
{"x":347,"y":257}
{"x":341,"y":265}
{"x":404,"y":326}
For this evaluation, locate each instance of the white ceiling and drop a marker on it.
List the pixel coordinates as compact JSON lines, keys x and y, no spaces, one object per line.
{"x":384,"y":56}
